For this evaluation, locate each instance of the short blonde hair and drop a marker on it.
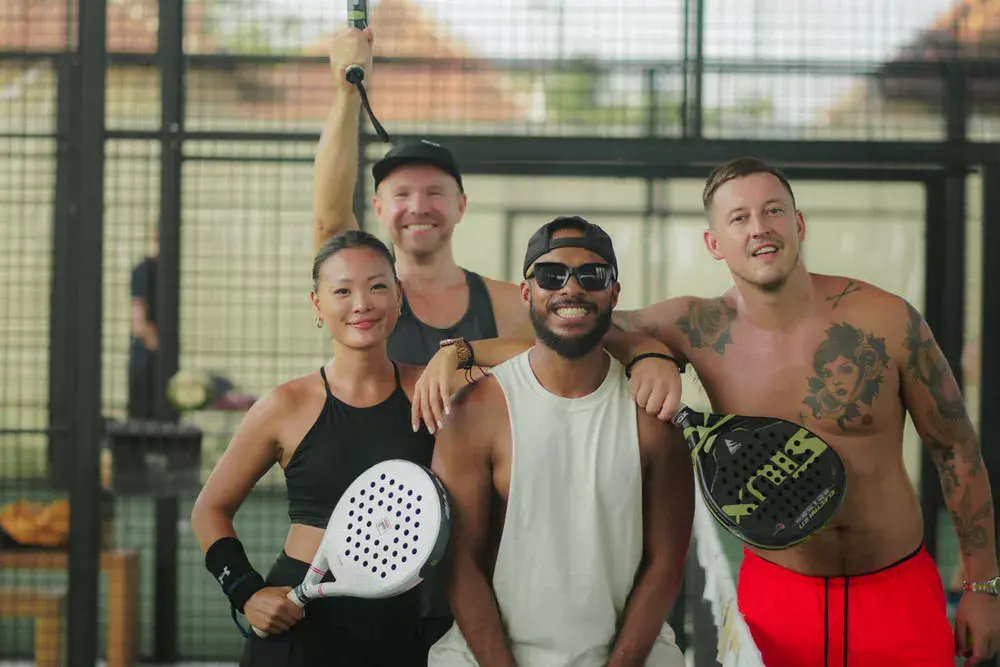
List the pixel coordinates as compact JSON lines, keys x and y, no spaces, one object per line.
{"x":741,"y":167}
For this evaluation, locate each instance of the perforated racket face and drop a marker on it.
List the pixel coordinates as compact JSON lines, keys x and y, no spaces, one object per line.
{"x":390,"y":523}
{"x":768,"y":481}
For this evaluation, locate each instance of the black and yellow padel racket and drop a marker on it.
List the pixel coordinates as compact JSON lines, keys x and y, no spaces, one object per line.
{"x":769,"y":482}
{"x":357,"y":14}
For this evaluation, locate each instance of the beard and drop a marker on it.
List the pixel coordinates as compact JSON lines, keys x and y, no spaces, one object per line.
{"x":570,"y":347}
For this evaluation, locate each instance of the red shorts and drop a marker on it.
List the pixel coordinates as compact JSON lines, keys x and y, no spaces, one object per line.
{"x":894,"y":616}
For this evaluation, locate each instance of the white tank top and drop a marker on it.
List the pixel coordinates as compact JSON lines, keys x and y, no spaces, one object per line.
{"x":572,"y":536}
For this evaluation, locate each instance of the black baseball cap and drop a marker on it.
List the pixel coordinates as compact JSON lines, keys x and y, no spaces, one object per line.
{"x":594,"y":239}
{"x":417,"y":152}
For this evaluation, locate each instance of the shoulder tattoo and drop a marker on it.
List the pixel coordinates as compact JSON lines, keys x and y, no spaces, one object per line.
{"x":850,"y":288}
{"x":848,"y":369}
{"x":708,"y":323}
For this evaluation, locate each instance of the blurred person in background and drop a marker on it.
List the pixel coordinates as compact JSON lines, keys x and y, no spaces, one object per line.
{"x":143,"y":383}
{"x":846,"y":360}
{"x":419,"y":200}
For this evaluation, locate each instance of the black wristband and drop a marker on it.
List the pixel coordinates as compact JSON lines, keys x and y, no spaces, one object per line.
{"x":228,"y":563}
{"x":658,"y":355}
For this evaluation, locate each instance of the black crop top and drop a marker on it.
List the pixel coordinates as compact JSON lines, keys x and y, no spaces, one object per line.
{"x":343,"y":443}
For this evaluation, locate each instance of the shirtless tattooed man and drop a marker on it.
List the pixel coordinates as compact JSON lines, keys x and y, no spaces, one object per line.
{"x":848,"y":361}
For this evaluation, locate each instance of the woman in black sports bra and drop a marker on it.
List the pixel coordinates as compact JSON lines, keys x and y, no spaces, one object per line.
{"x":324,"y":429}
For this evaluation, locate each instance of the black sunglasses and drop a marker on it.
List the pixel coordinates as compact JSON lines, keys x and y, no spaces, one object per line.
{"x":553,"y":275}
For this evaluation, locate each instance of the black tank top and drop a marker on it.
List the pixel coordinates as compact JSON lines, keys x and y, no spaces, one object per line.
{"x":413,"y":342}
{"x":343,"y":443}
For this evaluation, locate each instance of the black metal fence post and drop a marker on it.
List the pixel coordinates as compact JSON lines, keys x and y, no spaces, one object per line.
{"x":167,"y":511}
{"x":989,"y":384}
{"x":61,"y":349}
{"x":87,"y":257}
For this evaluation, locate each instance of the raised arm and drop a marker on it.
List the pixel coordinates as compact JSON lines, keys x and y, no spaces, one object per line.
{"x":937,"y":408}
{"x":252,"y":451}
{"x":668,"y":514}
{"x":463,"y":455}
{"x":336,"y":163}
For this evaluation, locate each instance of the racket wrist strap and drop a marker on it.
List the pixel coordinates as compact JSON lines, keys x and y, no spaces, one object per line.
{"x":646,"y":355}
{"x":227,"y":561}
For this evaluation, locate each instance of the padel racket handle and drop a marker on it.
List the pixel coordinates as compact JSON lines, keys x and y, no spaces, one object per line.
{"x":298,"y":596}
{"x":354,"y":74}
{"x":294,"y":597}
{"x":682,"y":417}
{"x":357,"y":14}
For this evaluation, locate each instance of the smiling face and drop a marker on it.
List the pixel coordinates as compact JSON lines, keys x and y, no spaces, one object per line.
{"x":570,"y":320}
{"x":756,"y":230}
{"x":357,"y":298}
{"x":419,"y":206}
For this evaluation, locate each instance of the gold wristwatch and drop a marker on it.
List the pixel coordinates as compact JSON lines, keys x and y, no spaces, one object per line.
{"x":464,"y":350}
{"x":990,"y":586}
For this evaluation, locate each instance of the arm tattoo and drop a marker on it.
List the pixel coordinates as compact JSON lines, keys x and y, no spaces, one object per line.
{"x":972,"y":536}
{"x":947,"y":418}
{"x":708,"y":323}
{"x":957,"y":435}
{"x":849,"y":367}
{"x":927,"y":365}
{"x":950,"y":437}
{"x":631,"y":321}
{"x":851,"y":288}
{"x":944,"y":458}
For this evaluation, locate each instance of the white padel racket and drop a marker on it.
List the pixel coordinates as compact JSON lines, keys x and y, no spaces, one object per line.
{"x":388,"y":529}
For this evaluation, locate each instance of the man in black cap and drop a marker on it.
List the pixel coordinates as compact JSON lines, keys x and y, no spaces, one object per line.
{"x":419,"y":199}
{"x":572,"y":508}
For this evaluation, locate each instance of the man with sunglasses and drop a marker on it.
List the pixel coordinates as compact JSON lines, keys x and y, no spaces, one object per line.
{"x":572,"y":507}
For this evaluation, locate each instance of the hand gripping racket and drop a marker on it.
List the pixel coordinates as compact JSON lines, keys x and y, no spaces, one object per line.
{"x":769,"y":482}
{"x":357,"y":18}
{"x":388,"y":529}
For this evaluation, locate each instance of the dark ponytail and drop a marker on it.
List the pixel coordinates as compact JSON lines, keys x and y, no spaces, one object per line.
{"x":352,"y":238}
